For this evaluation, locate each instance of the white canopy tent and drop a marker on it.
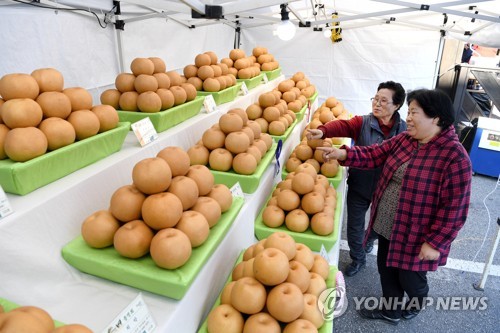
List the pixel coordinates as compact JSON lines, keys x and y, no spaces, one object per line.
{"x":382,"y":39}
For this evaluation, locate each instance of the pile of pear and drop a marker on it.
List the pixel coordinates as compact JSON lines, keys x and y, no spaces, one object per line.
{"x":274,"y":289}
{"x":303,"y":201}
{"x":208,"y":74}
{"x":167,"y":211}
{"x":34,"y":319}
{"x":331,"y":109}
{"x":306,"y":152}
{"x":39,"y":115}
{"x":233,"y":143}
{"x":150,"y":88}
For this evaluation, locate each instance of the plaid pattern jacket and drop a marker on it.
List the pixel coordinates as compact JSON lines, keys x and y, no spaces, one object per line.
{"x":434,"y":197}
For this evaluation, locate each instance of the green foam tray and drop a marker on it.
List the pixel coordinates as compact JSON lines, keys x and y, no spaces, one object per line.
{"x":143,"y":273}
{"x":24,"y":177}
{"x":330,"y":283}
{"x":223,"y":96}
{"x":307,"y":237}
{"x":164,"y":120}
{"x":271,"y":75}
{"x":248,"y":183}
{"x":8,"y":306}
{"x":253,"y":82}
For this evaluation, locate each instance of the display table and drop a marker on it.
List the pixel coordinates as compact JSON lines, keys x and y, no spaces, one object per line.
{"x":33,"y":271}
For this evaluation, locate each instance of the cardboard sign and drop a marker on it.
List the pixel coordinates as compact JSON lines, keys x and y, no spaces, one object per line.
{"x":243,"y":89}
{"x":5,"y":207}
{"x":135,"y":318}
{"x":209,"y":104}
{"x":237,"y":191}
{"x":144,"y":131}
{"x":324,"y":253}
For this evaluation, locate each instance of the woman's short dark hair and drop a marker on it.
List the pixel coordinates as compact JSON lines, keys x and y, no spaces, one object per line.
{"x":399,"y":94}
{"x":435,"y":103}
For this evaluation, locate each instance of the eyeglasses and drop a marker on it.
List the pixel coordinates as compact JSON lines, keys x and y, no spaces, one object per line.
{"x":382,"y":102}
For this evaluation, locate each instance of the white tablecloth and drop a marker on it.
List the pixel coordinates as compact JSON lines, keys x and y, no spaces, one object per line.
{"x":32,"y":271}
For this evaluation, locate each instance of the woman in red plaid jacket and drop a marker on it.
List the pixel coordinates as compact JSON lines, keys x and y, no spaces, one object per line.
{"x":421,"y":200}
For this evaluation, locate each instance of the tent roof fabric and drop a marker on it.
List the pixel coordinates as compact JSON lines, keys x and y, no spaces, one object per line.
{"x":477,"y":22}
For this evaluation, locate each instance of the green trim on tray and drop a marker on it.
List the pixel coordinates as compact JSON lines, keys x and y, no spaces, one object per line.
{"x":166,"y":119}
{"x":143,"y":273}
{"x":274,"y":74}
{"x":301,"y":113}
{"x":309,"y":238}
{"x":252,"y":82}
{"x":24,"y":177}
{"x":223,"y":96}
{"x":330,"y":283}
{"x":313,"y":97}
{"x":248,"y":183}
{"x":9,"y":306}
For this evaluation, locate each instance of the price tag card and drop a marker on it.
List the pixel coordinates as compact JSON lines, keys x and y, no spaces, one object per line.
{"x":135,"y":318}
{"x":265,"y":79}
{"x":308,"y":114}
{"x":277,"y":176}
{"x":144,"y":131}
{"x":324,"y":253}
{"x":243,"y":89}
{"x":237,"y":191}
{"x":277,"y":166}
{"x":209,"y":104}
{"x":5,"y":208}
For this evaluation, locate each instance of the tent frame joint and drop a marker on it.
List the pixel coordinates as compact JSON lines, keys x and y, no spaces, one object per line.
{"x":120,"y":25}
{"x":116,"y":5}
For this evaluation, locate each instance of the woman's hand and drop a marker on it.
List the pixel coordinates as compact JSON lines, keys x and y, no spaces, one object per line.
{"x":312,"y":134}
{"x":333,"y":153}
{"x":427,"y":252}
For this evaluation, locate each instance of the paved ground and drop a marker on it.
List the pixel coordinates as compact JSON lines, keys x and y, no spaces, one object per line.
{"x":469,"y":251}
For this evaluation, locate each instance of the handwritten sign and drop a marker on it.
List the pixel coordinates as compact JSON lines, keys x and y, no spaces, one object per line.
{"x":209,"y":104}
{"x":5,"y":207}
{"x":237,"y":191}
{"x":135,"y":318}
{"x":144,"y":131}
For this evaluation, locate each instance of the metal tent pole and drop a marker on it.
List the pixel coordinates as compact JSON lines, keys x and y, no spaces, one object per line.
{"x":486,"y":270}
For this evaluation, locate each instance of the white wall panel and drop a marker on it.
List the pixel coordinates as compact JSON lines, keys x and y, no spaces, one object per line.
{"x":173,"y":42}
{"x":74,"y":44}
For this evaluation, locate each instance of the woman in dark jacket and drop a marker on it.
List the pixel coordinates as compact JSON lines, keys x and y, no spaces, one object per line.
{"x":382,"y":123}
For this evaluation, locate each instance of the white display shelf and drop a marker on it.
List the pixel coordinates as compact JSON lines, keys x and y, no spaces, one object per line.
{"x":33,"y":271}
